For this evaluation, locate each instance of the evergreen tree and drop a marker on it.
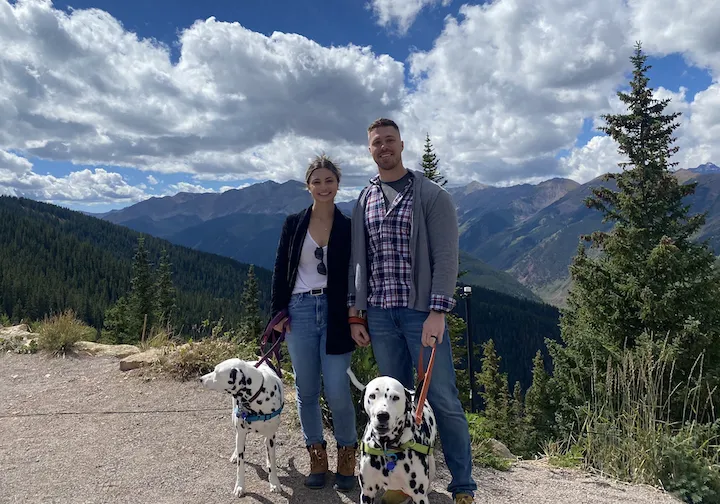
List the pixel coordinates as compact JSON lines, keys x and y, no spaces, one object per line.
{"x":165,"y":290}
{"x":430,"y":163}
{"x":539,"y":414}
{"x":251,"y":325}
{"x":141,"y":301}
{"x":649,"y":279}
{"x":494,"y":391}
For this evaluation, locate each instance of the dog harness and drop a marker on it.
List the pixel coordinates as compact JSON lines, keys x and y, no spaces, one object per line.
{"x":249,"y":415}
{"x":391,"y":453}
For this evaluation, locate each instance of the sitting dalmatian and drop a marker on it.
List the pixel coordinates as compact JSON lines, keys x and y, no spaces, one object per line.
{"x":258,"y":401}
{"x":395,"y":453}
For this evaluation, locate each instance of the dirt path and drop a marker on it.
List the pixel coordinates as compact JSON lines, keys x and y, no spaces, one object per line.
{"x":184,"y":457}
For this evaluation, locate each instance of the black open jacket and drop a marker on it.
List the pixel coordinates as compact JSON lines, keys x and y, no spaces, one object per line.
{"x":287,"y":259}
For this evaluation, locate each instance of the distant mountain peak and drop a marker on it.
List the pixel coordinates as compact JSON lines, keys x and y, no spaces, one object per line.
{"x":706,"y":168}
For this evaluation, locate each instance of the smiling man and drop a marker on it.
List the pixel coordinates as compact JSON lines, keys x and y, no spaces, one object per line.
{"x":402,"y":279}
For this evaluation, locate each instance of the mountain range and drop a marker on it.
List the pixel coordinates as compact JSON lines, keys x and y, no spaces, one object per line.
{"x":518,"y":240}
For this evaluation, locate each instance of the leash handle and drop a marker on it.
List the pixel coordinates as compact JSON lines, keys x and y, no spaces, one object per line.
{"x":275,"y":349}
{"x":425,"y":380}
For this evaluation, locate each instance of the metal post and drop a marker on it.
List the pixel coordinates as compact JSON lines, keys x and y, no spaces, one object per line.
{"x":467,"y":294}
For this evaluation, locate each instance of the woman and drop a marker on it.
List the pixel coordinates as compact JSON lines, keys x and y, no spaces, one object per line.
{"x":310,"y":282}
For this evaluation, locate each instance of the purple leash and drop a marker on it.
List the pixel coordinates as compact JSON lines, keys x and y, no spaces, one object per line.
{"x":269,"y":335}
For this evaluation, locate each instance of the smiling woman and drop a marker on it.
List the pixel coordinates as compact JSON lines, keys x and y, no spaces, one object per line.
{"x":310,"y":285}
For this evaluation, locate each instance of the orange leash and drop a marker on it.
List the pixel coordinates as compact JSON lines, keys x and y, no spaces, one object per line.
{"x":425,"y":380}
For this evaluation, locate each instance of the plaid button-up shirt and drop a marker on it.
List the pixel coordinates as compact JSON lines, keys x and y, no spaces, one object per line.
{"x":389,"y":257}
{"x":389,"y":260}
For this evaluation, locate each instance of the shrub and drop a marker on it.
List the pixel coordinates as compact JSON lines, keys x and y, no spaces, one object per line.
{"x":194,"y":359}
{"x":59,"y":333}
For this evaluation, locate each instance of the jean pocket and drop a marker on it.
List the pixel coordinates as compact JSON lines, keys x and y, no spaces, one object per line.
{"x":295,"y":300}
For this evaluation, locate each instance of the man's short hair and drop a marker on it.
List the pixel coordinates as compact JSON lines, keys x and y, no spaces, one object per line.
{"x":379,"y":123}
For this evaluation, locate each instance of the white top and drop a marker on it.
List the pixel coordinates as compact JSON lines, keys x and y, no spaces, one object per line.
{"x":307,"y":275}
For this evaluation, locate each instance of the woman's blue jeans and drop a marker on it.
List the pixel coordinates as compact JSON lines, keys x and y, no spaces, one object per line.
{"x":314,"y":368}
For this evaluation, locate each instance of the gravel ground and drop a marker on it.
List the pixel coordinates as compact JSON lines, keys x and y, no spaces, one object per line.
{"x":49,"y":456}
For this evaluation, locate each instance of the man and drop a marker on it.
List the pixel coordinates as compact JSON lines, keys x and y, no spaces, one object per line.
{"x":402,"y":279}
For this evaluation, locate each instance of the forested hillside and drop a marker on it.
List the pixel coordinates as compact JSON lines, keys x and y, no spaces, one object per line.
{"x":52,"y":258}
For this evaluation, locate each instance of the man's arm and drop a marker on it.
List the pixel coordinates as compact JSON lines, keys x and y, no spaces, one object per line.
{"x":443,"y":237}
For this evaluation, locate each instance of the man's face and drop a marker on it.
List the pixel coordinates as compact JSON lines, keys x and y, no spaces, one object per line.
{"x":386,"y":147}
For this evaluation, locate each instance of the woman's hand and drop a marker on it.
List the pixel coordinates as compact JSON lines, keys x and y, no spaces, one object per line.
{"x":284,"y":323}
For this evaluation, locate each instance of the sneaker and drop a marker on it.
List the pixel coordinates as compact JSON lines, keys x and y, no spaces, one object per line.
{"x":463,"y":498}
{"x":395,"y":497}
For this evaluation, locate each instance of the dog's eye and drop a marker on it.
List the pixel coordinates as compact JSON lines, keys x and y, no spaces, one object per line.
{"x":371,"y":396}
{"x":395,"y":398}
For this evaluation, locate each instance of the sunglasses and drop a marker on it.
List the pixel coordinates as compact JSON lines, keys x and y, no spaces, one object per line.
{"x":321,"y":268}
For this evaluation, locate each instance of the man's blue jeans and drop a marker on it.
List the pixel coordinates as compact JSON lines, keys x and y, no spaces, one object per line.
{"x":396,"y":338}
{"x":313,"y":368}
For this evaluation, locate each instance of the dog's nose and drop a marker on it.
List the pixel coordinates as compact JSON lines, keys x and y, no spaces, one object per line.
{"x":383,"y":416}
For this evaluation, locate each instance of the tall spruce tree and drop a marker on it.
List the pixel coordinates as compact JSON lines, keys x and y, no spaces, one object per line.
{"x":649,"y":278}
{"x":141,"y":301}
{"x":165,"y":290}
{"x":430,"y":163}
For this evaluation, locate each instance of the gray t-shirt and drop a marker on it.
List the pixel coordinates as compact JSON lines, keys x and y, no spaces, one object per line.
{"x":392,"y":189}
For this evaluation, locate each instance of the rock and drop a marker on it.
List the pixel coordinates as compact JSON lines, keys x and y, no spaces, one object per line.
{"x":500,"y":450}
{"x":144,"y":359}
{"x":17,"y":331}
{"x":101,"y":350}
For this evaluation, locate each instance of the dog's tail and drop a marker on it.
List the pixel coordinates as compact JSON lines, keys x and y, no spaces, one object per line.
{"x":354,"y":379}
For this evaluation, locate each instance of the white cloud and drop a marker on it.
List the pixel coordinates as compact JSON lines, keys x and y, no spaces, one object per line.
{"x":505,"y":86}
{"x":85,"y":186}
{"x":400,"y":12}
{"x":187,"y":188}
{"x":669,"y":26}
{"x":77,"y":86}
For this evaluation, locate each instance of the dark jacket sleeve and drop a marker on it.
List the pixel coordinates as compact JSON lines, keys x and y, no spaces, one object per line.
{"x":280,"y":288}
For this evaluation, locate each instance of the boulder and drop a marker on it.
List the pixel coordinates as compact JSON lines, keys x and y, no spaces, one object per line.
{"x":143,"y":359}
{"x":500,"y":450}
{"x":20,"y":331}
{"x":101,"y":350}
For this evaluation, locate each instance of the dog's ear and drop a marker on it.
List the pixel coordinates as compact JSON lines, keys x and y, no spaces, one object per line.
{"x":409,"y":396}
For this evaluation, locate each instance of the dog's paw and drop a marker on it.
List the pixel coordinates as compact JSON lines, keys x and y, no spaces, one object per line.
{"x":239,"y":491}
{"x":274,"y":484}
{"x":233,"y":457}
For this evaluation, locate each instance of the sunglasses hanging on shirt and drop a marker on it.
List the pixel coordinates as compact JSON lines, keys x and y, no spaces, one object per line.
{"x":321,"y":268}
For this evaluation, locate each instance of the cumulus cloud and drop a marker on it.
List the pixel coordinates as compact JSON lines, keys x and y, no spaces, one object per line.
{"x":77,"y":86}
{"x":400,"y":12}
{"x":504,"y":88}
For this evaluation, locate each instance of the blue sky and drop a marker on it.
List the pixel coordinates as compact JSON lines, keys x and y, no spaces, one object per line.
{"x":508,"y":95}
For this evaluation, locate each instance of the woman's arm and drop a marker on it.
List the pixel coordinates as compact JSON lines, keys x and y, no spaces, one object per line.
{"x":280,"y":288}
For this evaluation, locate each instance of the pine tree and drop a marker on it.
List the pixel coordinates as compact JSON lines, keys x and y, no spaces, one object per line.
{"x":649,"y":278}
{"x":538,"y":408}
{"x":165,"y":290}
{"x":251,"y":324}
{"x":430,"y":163}
{"x":141,"y":300}
{"x":494,"y":391}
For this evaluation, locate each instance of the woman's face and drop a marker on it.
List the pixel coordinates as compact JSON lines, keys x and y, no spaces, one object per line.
{"x":323,"y":185}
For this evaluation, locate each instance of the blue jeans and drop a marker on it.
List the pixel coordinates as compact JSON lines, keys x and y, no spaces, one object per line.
{"x":396,"y":338}
{"x":313,"y":367}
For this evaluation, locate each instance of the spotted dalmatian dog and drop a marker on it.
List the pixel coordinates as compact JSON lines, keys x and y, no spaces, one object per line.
{"x":258,"y":400}
{"x":396,"y":453}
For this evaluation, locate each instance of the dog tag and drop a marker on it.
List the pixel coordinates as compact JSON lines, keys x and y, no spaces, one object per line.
{"x":391,"y":465}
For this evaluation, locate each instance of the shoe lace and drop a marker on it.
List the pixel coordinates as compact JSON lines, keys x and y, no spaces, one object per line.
{"x":347,"y":458}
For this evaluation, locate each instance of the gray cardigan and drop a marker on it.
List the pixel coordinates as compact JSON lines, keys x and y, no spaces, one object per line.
{"x":433,"y":246}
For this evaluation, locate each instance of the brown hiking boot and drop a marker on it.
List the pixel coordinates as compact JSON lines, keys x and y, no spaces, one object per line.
{"x":463,"y":498}
{"x":345,"y":477}
{"x":318,"y":466}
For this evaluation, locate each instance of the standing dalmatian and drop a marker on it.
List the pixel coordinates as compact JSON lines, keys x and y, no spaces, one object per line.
{"x":258,"y":401}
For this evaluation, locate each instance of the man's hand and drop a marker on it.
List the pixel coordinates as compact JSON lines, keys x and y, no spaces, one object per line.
{"x":360,"y":335}
{"x":434,"y":326}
